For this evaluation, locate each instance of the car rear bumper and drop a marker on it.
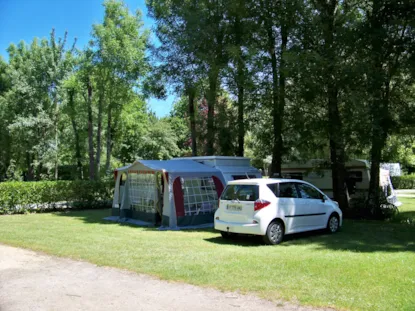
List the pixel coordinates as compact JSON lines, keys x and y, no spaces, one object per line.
{"x":242,"y":228}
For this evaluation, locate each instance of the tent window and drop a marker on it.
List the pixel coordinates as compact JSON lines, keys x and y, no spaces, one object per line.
{"x":143,"y":192}
{"x":123,"y":179}
{"x":200,"y":196}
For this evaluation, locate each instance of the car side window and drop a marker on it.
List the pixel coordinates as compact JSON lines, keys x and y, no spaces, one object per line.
{"x":273,"y":188}
{"x":288,"y":190}
{"x":308,"y":192}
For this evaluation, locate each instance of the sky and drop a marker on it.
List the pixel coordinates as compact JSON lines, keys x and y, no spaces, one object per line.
{"x":26,"y":19}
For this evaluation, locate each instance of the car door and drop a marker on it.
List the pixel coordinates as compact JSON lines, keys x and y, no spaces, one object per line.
{"x":313,"y":207}
{"x":288,"y":204}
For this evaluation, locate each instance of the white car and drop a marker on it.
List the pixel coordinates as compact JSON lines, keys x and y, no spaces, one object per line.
{"x":275,"y":207}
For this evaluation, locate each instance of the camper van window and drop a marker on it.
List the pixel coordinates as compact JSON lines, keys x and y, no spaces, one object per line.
{"x":241,"y":193}
{"x":237,"y":177}
{"x":288,"y":190}
{"x":200,"y":196}
{"x":308,"y":192}
{"x":293,"y":176}
{"x":356,"y":176}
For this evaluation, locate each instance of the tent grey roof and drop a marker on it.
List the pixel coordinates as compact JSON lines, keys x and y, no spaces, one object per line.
{"x":173,"y":166}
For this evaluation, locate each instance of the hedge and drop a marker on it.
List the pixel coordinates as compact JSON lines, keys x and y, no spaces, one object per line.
{"x":404,"y":182}
{"x":21,"y":197}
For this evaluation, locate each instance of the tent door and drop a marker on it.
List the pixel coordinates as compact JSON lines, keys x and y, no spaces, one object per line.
{"x":160,"y":197}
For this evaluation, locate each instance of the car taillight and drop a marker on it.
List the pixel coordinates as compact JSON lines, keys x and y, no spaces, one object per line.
{"x":260,"y":204}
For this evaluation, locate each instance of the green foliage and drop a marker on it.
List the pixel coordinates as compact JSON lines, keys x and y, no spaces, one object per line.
{"x":296,"y":79}
{"x":22,"y":197}
{"x":404,"y":182}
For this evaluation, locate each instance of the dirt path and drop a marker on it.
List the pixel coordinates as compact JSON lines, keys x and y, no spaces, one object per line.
{"x":32,"y":281}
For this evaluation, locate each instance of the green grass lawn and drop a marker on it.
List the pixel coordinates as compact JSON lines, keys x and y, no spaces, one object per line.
{"x":365,"y":266}
{"x":406,"y":211}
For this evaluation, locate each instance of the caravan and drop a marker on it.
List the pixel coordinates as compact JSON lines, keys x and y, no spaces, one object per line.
{"x":319,"y":174}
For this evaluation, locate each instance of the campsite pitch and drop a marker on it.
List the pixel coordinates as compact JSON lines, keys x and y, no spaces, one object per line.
{"x":365,"y":266}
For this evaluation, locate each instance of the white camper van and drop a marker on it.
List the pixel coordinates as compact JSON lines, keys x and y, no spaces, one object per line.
{"x":319,"y":174}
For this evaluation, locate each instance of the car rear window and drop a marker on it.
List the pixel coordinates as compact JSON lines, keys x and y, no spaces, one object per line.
{"x":241,"y":193}
{"x":237,"y":177}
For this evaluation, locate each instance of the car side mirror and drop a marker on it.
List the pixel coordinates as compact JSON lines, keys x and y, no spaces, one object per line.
{"x":323,"y":198}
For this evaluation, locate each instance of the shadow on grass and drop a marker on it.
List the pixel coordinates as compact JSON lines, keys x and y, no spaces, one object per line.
{"x":360,"y":236}
{"x":237,"y":240}
{"x":407,"y":217}
{"x":354,"y":236}
{"x":96,"y":216}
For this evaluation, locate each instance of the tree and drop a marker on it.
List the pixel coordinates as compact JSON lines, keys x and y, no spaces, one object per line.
{"x":197,"y":31}
{"x":36,"y":73}
{"x":240,"y":51}
{"x":120,"y":60}
{"x":85,"y":76}
{"x":333,"y":55}
{"x":73,"y":107}
{"x":176,"y":54}
{"x":5,"y":117}
{"x":388,"y":29}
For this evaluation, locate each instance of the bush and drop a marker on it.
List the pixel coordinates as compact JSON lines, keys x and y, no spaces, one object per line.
{"x":358,"y":209}
{"x":404,"y":182}
{"x":21,"y":197}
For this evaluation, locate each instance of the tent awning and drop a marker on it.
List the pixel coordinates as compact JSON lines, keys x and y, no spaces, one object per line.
{"x":170,"y":166}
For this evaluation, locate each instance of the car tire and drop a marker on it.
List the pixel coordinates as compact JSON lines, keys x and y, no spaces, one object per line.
{"x":333,"y":223}
{"x":275,"y":233}
{"x":226,"y":235}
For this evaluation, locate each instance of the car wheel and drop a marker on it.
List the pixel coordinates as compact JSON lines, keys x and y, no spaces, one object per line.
{"x":333,"y":224}
{"x":275,"y":233}
{"x":226,"y":235}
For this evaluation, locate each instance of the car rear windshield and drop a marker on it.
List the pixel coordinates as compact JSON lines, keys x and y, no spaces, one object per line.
{"x":241,"y":193}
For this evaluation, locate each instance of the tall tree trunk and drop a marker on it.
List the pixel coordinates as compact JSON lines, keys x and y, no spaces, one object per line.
{"x":335,"y":128}
{"x":377,"y":111}
{"x":99,"y":131}
{"x":56,"y":138}
{"x":240,"y":82}
{"x":77,"y":150}
{"x":192,"y":94}
{"x":90,"y":133}
{"x":30,"y":168}
{"x":380,"y":128}
{"x":39,"y":169}
{"x":275,"y":108}
{"x":241,"y":125}
{"x":337,"y":152}
{"x":109,"y":139}
{"x":76,"y":134}
{"x":6,"y":152}
{"x":281,"y":101}
{"x":213,"y":81}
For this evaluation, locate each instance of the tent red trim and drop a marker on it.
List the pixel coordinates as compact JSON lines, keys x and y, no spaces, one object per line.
{"x":218,"y":185}
{"x":178,"y":197}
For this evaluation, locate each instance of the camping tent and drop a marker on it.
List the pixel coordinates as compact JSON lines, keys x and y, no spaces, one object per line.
{"x":174,"y":193}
